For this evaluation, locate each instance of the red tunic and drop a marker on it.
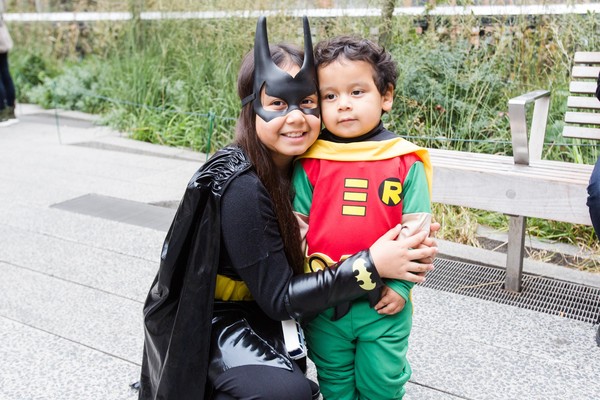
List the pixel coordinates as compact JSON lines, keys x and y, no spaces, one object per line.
{"x":353,"y":202}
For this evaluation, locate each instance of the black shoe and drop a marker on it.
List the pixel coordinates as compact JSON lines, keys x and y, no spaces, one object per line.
{"x":7,"y":113}
{"x":10,"y":112}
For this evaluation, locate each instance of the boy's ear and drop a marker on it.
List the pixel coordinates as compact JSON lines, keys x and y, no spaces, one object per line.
{"x":387,"y":100}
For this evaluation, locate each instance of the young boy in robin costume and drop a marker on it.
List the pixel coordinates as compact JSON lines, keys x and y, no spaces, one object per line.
{"x":356,"y":182}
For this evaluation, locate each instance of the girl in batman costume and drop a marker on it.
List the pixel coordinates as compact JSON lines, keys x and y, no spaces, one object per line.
{"x":231,"y":264}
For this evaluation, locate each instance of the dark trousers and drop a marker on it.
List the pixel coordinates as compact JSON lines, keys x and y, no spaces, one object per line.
{"x":593,"y":200}
{"x":7,"y":88}
{"x":264,"y":382}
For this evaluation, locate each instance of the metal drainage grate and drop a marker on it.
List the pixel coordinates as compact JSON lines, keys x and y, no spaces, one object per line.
{"x":538,"y":293}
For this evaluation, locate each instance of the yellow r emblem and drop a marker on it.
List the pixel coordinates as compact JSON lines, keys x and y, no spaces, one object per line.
{"x":363,"y":275}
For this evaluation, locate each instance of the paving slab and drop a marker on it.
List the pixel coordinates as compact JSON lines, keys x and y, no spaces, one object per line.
{"x":39,"y":365}
{"x":481,"y":349}
{"x":77,"y":228}
{"x":106,"y":270}
{"x":94,"y":318}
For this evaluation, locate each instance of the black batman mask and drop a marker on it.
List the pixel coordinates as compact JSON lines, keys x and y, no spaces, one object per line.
{"x":277,"y":82}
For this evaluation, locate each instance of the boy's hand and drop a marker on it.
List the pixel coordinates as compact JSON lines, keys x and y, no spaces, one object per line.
{"x":390,"y":303}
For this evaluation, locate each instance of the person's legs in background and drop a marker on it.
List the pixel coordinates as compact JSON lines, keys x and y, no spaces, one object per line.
{"x":593,"y":203}
{"x":594,"y":189}
{"x":593,"y":200}
{"x":3,"y":106}
{"x":7,"y":90}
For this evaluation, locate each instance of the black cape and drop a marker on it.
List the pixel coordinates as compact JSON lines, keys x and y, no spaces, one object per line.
{"x":179,"y":307}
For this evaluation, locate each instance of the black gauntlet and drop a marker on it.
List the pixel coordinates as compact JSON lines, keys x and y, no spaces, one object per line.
{"x":312,"y":293}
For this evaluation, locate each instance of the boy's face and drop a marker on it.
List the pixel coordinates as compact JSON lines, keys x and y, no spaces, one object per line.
{"x":351,"y":105}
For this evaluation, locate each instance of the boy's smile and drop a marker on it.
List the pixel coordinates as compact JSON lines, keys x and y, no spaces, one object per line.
{"x":351,"y":105}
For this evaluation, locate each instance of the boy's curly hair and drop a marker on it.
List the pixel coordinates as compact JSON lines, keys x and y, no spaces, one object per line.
{"x":385,"y":69}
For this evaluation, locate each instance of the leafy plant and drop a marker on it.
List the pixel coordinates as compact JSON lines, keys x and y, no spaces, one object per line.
{"x":74,"y":89}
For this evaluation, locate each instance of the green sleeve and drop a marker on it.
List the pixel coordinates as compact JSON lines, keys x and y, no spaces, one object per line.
{"x":416,"y":191}
{"x":401,"y":287}
{"x":303,"y":190}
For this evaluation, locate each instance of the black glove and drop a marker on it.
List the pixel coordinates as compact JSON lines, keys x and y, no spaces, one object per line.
{"x":309,"y":294}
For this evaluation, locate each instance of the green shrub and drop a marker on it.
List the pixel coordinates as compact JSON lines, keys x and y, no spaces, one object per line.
{"x":29,"y":70}
{"x":76,"y":88}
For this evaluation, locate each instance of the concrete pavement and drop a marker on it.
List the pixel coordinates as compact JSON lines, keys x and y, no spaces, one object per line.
{"x":74,"y":271}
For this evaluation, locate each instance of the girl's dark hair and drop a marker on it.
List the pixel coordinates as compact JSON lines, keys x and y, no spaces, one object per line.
{"x":385,"y":69}
{"x":278,"y":186}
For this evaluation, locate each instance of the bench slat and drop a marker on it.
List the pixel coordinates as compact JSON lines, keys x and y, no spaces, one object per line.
{"x":587,"y":57}
{"x":582,"y":87}
{"x":552,"y":199}
{"x":581,"y":132}
{"x":568,"y":170}
{"x":585,"y":72}
{"x":571,"y":177}
{"x":590,"y":103}
{"x":574,"y":117}
{"x":543,"y":169}
{"x":459,"y":157}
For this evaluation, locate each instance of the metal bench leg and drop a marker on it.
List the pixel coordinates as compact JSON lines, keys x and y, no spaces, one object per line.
{"x":515,"y":252}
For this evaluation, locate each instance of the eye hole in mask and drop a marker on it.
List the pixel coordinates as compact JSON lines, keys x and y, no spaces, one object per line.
{"x":275,"y":106}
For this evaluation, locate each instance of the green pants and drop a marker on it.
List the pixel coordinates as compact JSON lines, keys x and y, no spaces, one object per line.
{"x":363,"y":354}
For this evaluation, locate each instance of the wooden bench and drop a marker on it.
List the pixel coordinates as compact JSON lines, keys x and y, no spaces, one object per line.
{"x":524,"y":185}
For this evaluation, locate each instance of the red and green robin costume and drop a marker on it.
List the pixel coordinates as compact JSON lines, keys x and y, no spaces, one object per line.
{"x":351,"y":193}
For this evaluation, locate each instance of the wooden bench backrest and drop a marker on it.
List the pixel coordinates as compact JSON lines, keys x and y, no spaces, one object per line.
{"x":582,"y":119}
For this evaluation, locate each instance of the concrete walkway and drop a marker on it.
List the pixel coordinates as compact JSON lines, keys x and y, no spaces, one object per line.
{"x":73,"y":281}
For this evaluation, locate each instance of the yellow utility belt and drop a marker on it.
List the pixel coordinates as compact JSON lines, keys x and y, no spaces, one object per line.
{"x":228,"y":289}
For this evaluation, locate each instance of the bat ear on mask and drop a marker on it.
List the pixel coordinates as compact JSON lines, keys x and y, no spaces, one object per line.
{"x":277,"y":82}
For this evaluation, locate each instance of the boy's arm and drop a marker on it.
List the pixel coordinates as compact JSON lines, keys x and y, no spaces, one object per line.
{"x":303,"y":192}
{"x":416,"y":216}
